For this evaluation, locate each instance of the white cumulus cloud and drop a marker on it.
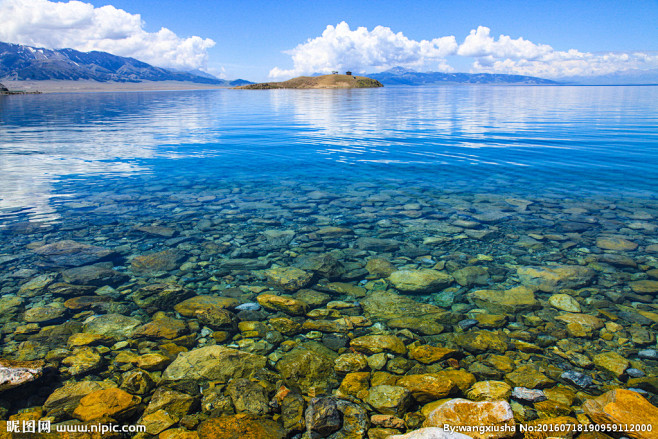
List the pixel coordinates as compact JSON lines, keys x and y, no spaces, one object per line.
{"x":362,"y":50}
{"x":341,"y":48}
{"x":83,"y":27}
{"x":523,"y":57}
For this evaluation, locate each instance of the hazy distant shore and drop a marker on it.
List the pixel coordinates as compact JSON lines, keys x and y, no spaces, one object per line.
{"x":61,"y":86}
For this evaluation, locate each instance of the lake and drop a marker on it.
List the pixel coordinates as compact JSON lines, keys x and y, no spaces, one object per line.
{"x":515,"y":221}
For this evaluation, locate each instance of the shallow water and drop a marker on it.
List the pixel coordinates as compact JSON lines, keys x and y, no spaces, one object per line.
{"x":224,"y":184}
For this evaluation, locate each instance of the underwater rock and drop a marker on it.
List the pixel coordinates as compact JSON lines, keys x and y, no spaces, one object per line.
{"x":162,"y":328}
{"x":374,"y":344}
{"x":287,"y":304}
{"x":308,"y":367}
{"x":645,"y":286}
{"x":201,"y":304}
{"x":98,"y":275}
{"x":564,"y":302}
{"x":386,"y":305}
{"x":530,"y":377}
{"x":427,"y":354}
{"x":489,"y":391}
{"x":16,"y":373}
{"x":389,"y":400}
{"x":113,"y":402}
{"x":61,"y":403}
{"x":420,"y":325}
{"x":322,"y":417}
{"x":160,"y":297}
{"x":624,"y":407}
{"x":512,"y":301}
{"x":379,"y":267}
{"x":462,"y":412}
{"x":44,"y":314}
{"x":427,"y":387}
{"x":164,"y":261}
{"x":611,"y":362}
{"x":288,"y":278}
{"x":615,"y":243}
{"x":113,"y":325}
{"x":430,"y":433}
{"x":555,"y":277}
{"x":420,"y":281}
{"x":213,"y":363}
{"x":472,"y":275}
{"x":240,"y":426}
{"x":68,"y":253}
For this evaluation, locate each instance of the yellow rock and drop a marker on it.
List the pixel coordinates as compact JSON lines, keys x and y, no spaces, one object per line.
{"x":612,"y":363}
{"x":614,"y":243}
{"x":288,"y":278}
{"x":489,"y":391}
{"x":374,"y":344}
{"x":505,"y":302}
{"x":624,"y":407}
{"x":645,"y":286}
{"x":420,"y":281}
{"x":189,"y":307}
{"x":426,"y":387}
{"x":287,"y":304}
{"x":427,"y":354}
{"x":462,"y":412}
{"x":355,"y":382}
{"x":113,"y":402}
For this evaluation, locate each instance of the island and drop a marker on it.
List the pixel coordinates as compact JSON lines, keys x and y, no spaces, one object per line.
{"x":324,"y":81}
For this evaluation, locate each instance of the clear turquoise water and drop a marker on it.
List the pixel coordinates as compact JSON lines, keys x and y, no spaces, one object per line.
{"x":540,"y":141}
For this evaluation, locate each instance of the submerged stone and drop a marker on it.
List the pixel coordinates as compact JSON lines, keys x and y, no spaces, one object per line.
{"x":288,"y":278}
{"x":308,"y":367}
{"x":69,"y":253}
{"x":420,"y":281}
{"x":166,"y":260}
{"x":98,"y":275}
{"x":510,"y":301}
{"x":462,"y":412}
{"x":555,"y":277}
{"x":624,"y":407}
{"x":240,"y":426}
{"x":213,"y":363}
{"x":112,"y":402}
{"x":16,"y":373}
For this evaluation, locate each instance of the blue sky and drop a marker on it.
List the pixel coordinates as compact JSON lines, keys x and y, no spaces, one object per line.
{"x":250,"y":37}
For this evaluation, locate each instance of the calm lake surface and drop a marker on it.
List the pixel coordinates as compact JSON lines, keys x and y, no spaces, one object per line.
{"x":516,"y":226}
{"x":549,"y":141}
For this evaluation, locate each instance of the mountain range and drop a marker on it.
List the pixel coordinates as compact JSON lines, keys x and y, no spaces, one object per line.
{"x":18,"y":62}
{"x":402,"y":76}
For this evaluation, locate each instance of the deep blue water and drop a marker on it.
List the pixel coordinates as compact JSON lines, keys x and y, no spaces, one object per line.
{"x":539,"y":141}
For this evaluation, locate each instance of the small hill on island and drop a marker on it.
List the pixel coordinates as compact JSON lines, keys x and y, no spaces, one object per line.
{"x":324,"y":81}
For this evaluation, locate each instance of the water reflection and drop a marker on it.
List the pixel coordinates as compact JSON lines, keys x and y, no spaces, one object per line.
{"x":526,"y":138}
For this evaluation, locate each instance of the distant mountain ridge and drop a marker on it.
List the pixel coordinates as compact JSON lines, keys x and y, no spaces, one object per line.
{"x":402,"y":76}
{"x":18,"y":62}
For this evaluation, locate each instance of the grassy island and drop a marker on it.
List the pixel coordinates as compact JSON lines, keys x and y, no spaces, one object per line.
{"x":324,"y":81}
